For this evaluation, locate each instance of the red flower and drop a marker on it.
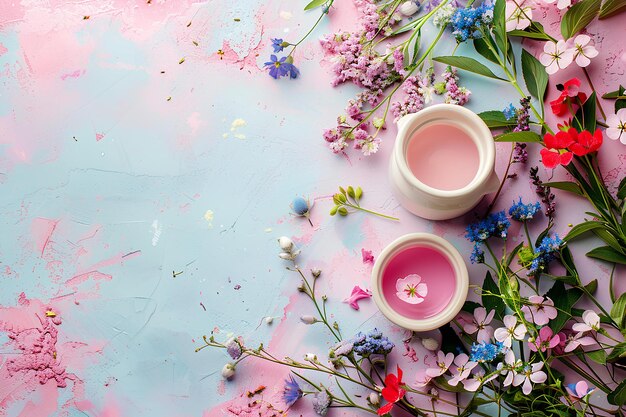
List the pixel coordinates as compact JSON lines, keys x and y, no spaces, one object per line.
{"x":586,"y":143}
{"x":551,"y":155}
{"x":393,"y":391}
{"x":571,"y":89}
{"x":552,"y":158}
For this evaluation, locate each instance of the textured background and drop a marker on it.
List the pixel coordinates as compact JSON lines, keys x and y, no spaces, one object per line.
{"x":106,"y":188}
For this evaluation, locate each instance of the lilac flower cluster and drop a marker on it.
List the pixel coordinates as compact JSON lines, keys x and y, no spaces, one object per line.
{"x":454,"y":94}
{"x":523,"y":212}
{"x":543,"y":191}
{"x":372,"y":343}
{"x":369,"y":17}
{"x":544,"y":253}
{"x":414,"y":100}
{"x":494,"y":225}
{"x":486,"y":352}
{"x":523,"y":116}
{"x":467,"y":23}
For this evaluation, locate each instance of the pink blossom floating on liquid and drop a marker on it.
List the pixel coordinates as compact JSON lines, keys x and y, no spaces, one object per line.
{"x":411,"y":289}
{"x":357,"y":294}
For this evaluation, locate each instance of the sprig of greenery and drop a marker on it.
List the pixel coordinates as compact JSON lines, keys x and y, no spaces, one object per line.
{"x":347,"y":201}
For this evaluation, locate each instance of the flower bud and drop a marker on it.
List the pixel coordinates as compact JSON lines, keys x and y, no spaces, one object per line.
{"x":269,"y":320}
{"x":430,"y":344}
{"x":316,"y":272}
{"x":308,"y":319}
{"x":285,"y":243}
{"x":286,"y":256}
{"x":310,"y":357}
{"x":374,"y":399}
{"x":228,"y":371}
{"x":408,"y":8}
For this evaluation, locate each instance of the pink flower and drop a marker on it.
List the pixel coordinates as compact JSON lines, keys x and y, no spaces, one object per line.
{"x":591,"y":321}
{"x":368,"y":258}
{"x":544,"y":341}
{"x":480,"y":324}
{"x":531,"y":374}
{"x":556,"y":56}
{"x":579,"y":390}
{"x":357,"y":294}
{"x":561,"y":4}
{"x":443,"y":363}
{"x":411,"y":289}
{"x":584,"y":50}
{"x":509,"y":367}
{"x":617,"y":126}
{"x":540,"y":311}
{"x":477,"y":380}
{"x":421,"y":378}
{"x":461,"y":371}
{"x":510,"y":331}
{"x":518,"y":14}
{"x":574,"y":341}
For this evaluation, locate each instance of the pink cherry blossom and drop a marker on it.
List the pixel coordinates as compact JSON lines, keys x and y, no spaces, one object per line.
{"x":531,"y":374}
{"x":584,"y":50}
{"x":573,"y":341}
{"x":591,"y":321}
{"x":480,"y":324}
{"x":357,"y":294}
{"x":540,"y":311}
{"x":544,"y":341}
{"x":556,"y":56}
{"x":510,"y":331}
{"x":561,"y":4}
{"x":411,"y":289}
{"x":478,"y":379}
{"x":443,"y":363}
{"x":518,"y":14}
{"x":462,"y":370}
{"x":617,"y":126}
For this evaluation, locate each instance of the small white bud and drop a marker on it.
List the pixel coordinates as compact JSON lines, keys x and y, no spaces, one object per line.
{"x":285,"y":243}
{"x":374,"y":399}
{"x":430,"y":344}
{"x":310,"y":357}
{"x":408,"y":8}
{"x":316,"y":272}
{"x":228,"y":371}
{"x":269,"y":320}
{"x":286,"y":256}
{"x":308,"y":319}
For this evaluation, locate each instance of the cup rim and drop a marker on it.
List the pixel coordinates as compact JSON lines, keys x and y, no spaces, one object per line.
{"x":461,"y":277}
{"x":475,"y":127}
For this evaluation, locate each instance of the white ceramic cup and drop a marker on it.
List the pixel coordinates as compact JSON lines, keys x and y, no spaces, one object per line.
{"x":431,"y":203}
{"x":460,"y":272}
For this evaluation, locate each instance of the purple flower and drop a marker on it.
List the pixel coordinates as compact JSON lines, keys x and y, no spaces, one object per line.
{"x":292,"y":392}
{"x":540,"y":311}
{"x":480,"y":324}
{"x":234,"y":348}
{"x":443,"y":363}
{"x":462,"y":370}
{"x":277,"y":67}
{"x":278,"y":45}
{"x":321,"y":402}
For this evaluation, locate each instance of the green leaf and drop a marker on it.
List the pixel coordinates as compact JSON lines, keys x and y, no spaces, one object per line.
{"x":572,"y":187}
{"x":608,"y":238}
{"x":568,"y":262}
{"x":619,"y":310}
{"x":481,"y":47}
{"x":526,"y":136}
{"x":535,"y":75}
{"x":315,"y":4}
{"x":581,"y":229}
{"x":467,"y":64}
{"x":499,"y":27}
{"x":586,"y":115}
{"x":611,"y":7}
{"x":470,"y":306}
{"x":598,"y":356}
{"x":592,"y":286}
{"x":613,"y":94}
{"x":450,"y":341}
{"x":578,"y":17}
{"x":564,"y":300}
{"x":530,"y":35}
{"x":495,"y":118}
{"x":618,"y":352}
{"x":618,"y":395}
{"x":621,"y":189}
{"x":492,"y":302}
{"x":607,"y":253}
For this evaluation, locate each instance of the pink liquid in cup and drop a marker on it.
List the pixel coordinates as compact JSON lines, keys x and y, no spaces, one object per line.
{"x":442,"y":156}
{"x":434,"y":269}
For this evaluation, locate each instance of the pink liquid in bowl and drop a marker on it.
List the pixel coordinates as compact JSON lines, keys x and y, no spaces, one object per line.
{"x":442,"y":156}
{"x":434,"y":269}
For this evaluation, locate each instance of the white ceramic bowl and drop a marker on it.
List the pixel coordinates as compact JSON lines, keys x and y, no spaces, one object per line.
{"x":460,"y":271}
{"x":431,"y":203}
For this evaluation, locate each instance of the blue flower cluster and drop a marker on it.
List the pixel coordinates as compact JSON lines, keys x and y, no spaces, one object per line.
{"x":372,"y":343}
{"x":291,"y":392}
{"x":523,"y":212}
{"x":486,"y":352}
{"x":282,"y":67}
{"x":509,"y":111}
{"x":467,"y":22}
{"x":494,"y":225}
{"x":278,"y":45}
{"x":544,"y":253}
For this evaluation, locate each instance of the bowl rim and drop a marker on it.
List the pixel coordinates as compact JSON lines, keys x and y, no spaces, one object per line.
{"x":461,"y":118}
{"x":461,"y":274}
